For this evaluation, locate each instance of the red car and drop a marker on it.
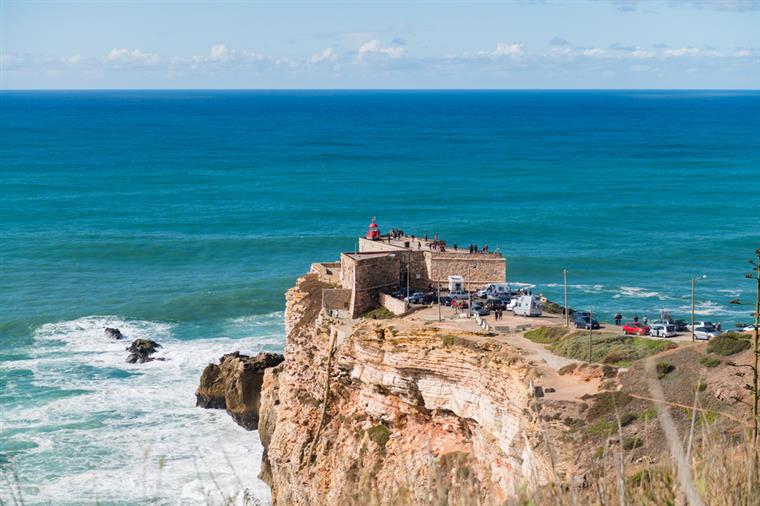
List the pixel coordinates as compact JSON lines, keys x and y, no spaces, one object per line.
{"x":461,"y":304}
{"x":636,"y":328}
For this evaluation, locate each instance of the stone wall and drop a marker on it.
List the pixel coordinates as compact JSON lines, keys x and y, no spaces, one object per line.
{"x":336,"y":301}
{"x":327,"y":270}
{"x":366,"y":276}
{"x":392,"y":304}
{"x":477,"y":269}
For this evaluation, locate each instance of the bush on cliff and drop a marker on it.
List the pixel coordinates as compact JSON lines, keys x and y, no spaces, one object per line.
{"x":379,"y":313}
{"x":609,"y":349}
{"x":729,"y":343}
{"x":379,"y":434}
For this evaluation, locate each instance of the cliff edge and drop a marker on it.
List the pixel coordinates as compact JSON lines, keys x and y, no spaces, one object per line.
{"x":390,"y":412}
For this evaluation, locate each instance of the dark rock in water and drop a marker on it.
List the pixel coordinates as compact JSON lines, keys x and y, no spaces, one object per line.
{"x":114,"y":333}
{"x":141,"y":351}
{"x":235,"y":385}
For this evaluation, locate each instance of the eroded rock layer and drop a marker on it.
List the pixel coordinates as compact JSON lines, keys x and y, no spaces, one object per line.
{"x":390,"y":413}
{"x":235,"y":385}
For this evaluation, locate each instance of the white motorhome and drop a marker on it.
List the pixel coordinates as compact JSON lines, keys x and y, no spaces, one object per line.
{"x":527,"y":305}
{"x":456,"y":283}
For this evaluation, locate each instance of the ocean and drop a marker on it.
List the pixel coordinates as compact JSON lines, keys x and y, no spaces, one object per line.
{"x":184,"y":216}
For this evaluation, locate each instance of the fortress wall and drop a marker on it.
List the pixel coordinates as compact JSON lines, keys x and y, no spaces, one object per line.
{"x":477,"y":269}
{"x":395,"y":306}
{"x":336,"y":299}
{"x":368,"y":276}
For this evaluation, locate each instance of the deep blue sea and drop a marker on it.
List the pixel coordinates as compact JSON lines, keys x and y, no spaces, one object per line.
{"x":185,"y":215}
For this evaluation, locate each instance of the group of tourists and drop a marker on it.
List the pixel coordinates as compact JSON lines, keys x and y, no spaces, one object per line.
{"x":498,"y":314}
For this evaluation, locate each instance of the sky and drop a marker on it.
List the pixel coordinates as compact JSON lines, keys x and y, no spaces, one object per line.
{"x":608,"y":44}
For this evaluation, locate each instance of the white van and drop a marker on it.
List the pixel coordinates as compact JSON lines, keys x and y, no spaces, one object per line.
{"x":456,"y":283}
{"x":527,"y":305}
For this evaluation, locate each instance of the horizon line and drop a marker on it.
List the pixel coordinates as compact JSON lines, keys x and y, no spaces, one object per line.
{"x":377,"y":89}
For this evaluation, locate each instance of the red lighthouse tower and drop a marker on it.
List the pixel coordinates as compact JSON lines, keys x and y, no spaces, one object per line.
{"x":373,"y":231}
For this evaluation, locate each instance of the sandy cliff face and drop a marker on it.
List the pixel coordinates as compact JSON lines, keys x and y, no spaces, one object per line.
{"x":407,"y":414}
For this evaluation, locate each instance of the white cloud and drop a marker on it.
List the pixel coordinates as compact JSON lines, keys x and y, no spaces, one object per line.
{"x":681,"y":51}
{"x":117,"y":55}
{"x":220,"y":53}
{"x":327,"y":55}
{"x":742,"y":53}
{"x":595,"y":52}
{"x":374,"y":47}
{"x":72,"y":60}
{"x":640,"y":53}
{"x":512,"y":50}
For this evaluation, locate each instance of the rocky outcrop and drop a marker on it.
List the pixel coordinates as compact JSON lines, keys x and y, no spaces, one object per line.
{"x":140,"y":351}
{"x":114,"y":333}
{"x":235,"y":385}
{"x":393,"y":413}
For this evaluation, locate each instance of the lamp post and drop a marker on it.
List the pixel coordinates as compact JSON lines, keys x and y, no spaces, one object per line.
{"x":469,"y":290}
{"x":693,"y":284}
{"x":439,"y":300}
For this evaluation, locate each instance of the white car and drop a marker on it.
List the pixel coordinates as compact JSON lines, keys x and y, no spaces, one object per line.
{"x":699,"y":324}
{"x":511,"y":304}
{"x":482,"y":293}
{"x":749,"y":328}
{"x":705,"y":333}
{"x":459,"y":295}
{"x":663,"y":330}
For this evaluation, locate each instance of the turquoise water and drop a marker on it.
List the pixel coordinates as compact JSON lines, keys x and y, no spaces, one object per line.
{"x":185,"y":215}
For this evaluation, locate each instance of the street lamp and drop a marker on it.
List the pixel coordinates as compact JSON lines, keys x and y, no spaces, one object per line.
{"x":693,"y":284}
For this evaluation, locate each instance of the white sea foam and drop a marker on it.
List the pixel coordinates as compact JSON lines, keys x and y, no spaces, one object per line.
{"x":518,"y":284}
{"x":131,"y":432}
{"x":636,"y":292}
{"x":710,"y":308}
{"x":581,"y":288}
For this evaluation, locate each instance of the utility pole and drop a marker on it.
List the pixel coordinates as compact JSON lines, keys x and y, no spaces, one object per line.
{"x":590,"y":332}
{"x":567,"y":314}
{"x":439,"y":300}
{"x":693,"y":282}
{"x":469,"y":290}
{"x":755,"y":350}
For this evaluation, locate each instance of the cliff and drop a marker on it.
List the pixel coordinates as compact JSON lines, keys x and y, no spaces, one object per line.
{"x":389,"y":412}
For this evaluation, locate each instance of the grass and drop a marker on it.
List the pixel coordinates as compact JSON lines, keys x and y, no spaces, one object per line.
{"x":546,"y":335}
{"x":379,"y":313}
{"x":729,"y":343}
{"x":709,"y":361}
{"x":609,"y":349}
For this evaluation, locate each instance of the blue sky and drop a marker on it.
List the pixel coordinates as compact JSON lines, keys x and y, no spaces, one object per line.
{"x":392,"y":44}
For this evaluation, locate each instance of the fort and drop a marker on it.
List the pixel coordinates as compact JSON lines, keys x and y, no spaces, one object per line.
{"x":383,"y":262}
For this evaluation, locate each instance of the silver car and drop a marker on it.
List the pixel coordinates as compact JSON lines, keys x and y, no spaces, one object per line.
{"x":706,"y":333}
{"x":663,"y":330}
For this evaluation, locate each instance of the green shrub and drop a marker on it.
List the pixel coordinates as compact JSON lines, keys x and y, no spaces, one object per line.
{"x":701,"y":387}
{"x":449,"y":340}
{"x":379,"y":313}
{"x":379,"y":434}
{"x":709,"y":361}
{"x":664,"y":368}
{"x":729,"y":343}
{"x":606,"y":402}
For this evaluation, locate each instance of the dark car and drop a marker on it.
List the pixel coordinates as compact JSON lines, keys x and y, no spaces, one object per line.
{"x":585,"y":322}
{"x":430,"y":298}
{"x":480,"y":309}
{"x":680,"y":326}
{"x":445,"y":300}
{"x":494,"y":304}
{"x":400,"y":293}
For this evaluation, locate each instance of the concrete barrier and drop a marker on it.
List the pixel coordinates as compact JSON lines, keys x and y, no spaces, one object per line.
{"x":392,"y":304}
